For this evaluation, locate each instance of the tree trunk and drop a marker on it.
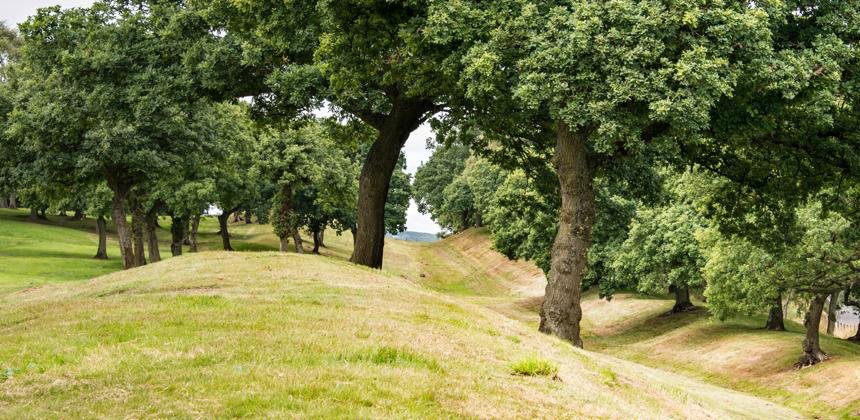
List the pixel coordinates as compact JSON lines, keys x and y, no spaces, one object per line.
{"x":831,"y":312}
{"x":225,"y":233}
{"x":682,"y":299}
{"x":812,"y":353}
{"x":138,"y":231}
{"x":187,"y":240}
{"x":177,"y":235}
{"x":248,"y":217}
{"x":78,"y":216}
{"x":101,"y":231}
{"x":317,"y":241}
{"x":856,"y":337}
{"x":354,"y":233}
{"x":297,"y":238}
{"x":34,"y":214}
{"x":13,"y":201}
{"x":195,"y":224}
{"x":122,"y":229}
{"x":4,"y":202}
{"x":322,"y":238}
{"x":285,"y":243}
{"x":393,"y":131}
{"x":152,"y":236}
{"x":561,"y":311}
{"x":775,"y":319}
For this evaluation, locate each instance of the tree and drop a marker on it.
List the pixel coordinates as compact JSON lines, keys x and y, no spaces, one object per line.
{"x":399,"y":196}
{"x":661,"y":252}
{"x":369,"y":60}
{"x":433,"y":176}
{"x":105,"y":95}
{"x":626,"y":79}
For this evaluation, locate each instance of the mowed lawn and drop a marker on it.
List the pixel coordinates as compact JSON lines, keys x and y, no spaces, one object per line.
{"x":32,"y":254}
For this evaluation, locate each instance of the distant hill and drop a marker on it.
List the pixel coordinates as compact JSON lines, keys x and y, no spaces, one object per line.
{"x":416,"y":236}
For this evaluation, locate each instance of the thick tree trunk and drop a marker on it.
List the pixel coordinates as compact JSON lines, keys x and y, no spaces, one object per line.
{"x":13,"y":201}
{"x":78,"y":216}
{"x":225,"y":233}
{"x":394,"y":129}
{"x":177,"y":235}
{"x":812,"y":353}
{"x":561,"y":311}
{"x":138,"y":232}
{"x":34,"y":214}
{"x":195,"y":224}
{"x":682,"y":299}
{"x":775,"y":319}
{"x":4,"y":202}
{"x":248,"y":217}
{"x":123,"y":231}
{"x":297,"y":238}
{"x":152,"y":236}
{"x":285,"y":243}
{"x":317,"y":241}
{"x":101,"y":231}
{"x":354,"y":233}
{"x":831,"y":312}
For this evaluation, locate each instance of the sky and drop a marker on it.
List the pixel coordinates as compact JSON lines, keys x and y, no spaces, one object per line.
{"x":17,"y":11}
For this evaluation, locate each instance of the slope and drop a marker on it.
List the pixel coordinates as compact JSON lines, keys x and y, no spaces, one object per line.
{"x":266,"y":334}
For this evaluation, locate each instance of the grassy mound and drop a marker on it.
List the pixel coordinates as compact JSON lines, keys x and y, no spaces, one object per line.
{"x":266,"y":334}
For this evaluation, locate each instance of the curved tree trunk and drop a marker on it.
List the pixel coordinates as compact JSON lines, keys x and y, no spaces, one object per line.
{"x":317,"y":241}
{"x":152,"y":236}
{"x":297,"y":238}
{"x":812,"y":353}
{"x":775,"y":319}
{"x":123,"y":232}
{"x":225,"y":233}
{"x":177,"y":235}
{"x":831,"y":312}
{"x":393,"y":131}
{"x":561,"y":311}
{"x":682,"y":299}
{"x":138,"y":232}
{"x":101,"y":231}
{"x":192,"y":236}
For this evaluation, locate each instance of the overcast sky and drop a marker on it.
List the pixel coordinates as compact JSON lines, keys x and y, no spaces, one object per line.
{"x":17,"y":11}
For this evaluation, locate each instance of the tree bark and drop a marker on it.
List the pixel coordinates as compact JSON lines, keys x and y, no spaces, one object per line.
{"x":123,"y":231}
{"x":187,"y":240}
{"x":13,"y":201}
{"x":812,"y":353}
{"x":297,"y":238}
{"x":317,"y":241}
{"x":831,"y":312}
{"x":138,"y":232}
{"x":775,"y":319}
{"x":195,"y":224}
{"x":248,"y":217}
{"x":393,"y":131}
{"x":34,"y":214}
{"x":285,"y":244}
{"x":682,"y":299}
{"x":225,"y":233}
{"x":152,"y":236}
{"x":4,"y":202}
{"x":101,"y":231}
{"x":561,"y":311}
{"x":322,"y":238}
{"x":177,"y":235}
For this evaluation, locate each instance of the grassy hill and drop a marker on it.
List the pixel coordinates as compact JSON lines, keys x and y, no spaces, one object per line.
{"x":446,"y":329}
{"x":273,"y":334}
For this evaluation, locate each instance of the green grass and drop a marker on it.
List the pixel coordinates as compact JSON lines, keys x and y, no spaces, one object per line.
{"x":274,"y":335}
{"x":534,"y":366}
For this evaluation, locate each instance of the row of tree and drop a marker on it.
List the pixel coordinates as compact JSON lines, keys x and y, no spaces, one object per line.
{"x":664,"y":235}
{"x":762,"y":93}
{"x":105,"y":112}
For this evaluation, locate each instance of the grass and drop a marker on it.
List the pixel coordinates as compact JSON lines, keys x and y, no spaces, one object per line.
{"x":534,"y":366}
{"x":268,"y":334}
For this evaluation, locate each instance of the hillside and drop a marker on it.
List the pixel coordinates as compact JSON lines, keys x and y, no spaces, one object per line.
{"x":273,"y":334}
{"x":437,"y":332}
